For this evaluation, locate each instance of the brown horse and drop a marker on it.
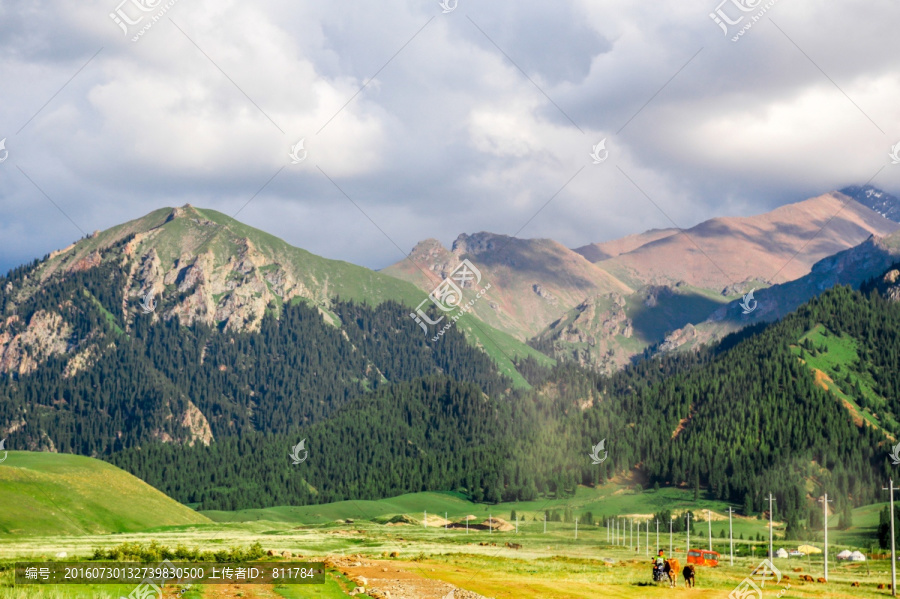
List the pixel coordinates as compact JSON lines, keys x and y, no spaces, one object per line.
{"x":673,"y":568}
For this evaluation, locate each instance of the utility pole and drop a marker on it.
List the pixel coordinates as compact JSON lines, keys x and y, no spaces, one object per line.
{"x":425,"y":519}
{"x":670,"y":537}
{"x":631,"y":534}
{"x":893,"y":547}
{"x":731,"y":534}
{"x":771,"y":555}
{"x":657,"y":535}
{"x":687,"y":547}
{"x":639,"y":537}
{"x":825,"y":501}
{"x":607,"y":531}
{"x":647,"y":544}
{"x":709,"y":523}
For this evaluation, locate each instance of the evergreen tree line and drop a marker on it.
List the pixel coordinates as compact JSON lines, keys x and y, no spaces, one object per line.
{"x":385,"y":411}
{"x":140,"y":377}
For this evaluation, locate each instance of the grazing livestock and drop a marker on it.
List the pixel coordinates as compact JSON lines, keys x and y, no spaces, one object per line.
{"x":820,"y":579}
{"x":688,"y":574}
{"x":673,"y":567}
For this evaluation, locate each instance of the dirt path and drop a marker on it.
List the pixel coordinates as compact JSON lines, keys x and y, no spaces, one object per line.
{"x":396,"y":580}
{"x":387,"y":579}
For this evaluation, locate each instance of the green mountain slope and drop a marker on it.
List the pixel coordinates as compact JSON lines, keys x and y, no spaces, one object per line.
{"x":734,"y":421}
{"x":765,"y":414}
{"x":48,"y":493}
{"x":169,"y":383}
{"x":386,"y":409}
{"x":167,"y":243}
{"x":429,"y":434}
{"x":196,"y":267}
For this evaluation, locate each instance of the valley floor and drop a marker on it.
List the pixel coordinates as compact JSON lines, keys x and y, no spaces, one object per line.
{"x":430,"y":563}
{"x":384,"y":547}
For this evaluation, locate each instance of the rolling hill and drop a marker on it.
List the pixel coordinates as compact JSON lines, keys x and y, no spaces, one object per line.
{"x":50,"y":493}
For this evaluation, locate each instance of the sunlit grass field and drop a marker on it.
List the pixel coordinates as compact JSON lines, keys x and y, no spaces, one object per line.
{"x":76,"y":516}
{"x":548,"y":565}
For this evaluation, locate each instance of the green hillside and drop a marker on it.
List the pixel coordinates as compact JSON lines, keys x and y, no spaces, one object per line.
{"x":51,"y":493}
{"x":589,"y":505}
{"x":835,"y":362}
{"x":413,"y":504}
{"x":731,"y":423}
{"x":204,"y":266}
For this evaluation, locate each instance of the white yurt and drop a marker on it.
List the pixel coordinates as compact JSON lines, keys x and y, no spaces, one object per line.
{"x":781,"y":553}
{"x":856,"y":556}
{"x":845,"y":554}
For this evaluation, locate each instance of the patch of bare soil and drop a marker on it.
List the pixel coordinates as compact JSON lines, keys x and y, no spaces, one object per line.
{"x":396,"y":580}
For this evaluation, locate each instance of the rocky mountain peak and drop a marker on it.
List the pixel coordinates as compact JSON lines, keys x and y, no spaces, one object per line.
{"x":479,"y":243}
{"x":196,"y":265}
{"x":427,"y":247}
{"x":880,"y":201}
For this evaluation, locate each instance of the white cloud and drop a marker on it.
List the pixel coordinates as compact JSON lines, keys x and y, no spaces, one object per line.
{"x":450,"y":136}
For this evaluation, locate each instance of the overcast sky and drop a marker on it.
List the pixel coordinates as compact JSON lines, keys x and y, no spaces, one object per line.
{"x":422,"y":123}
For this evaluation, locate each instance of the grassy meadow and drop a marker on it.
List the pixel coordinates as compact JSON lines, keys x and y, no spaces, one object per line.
{"x":77,"y":518}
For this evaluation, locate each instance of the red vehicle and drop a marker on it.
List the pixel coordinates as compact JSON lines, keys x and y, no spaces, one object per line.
{"x":703,"y":557}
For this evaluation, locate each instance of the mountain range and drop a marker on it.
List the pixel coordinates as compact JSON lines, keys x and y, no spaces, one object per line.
{"x":601,"y":305}
{"x":606,"y":303}
{"x":179,"y":344}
